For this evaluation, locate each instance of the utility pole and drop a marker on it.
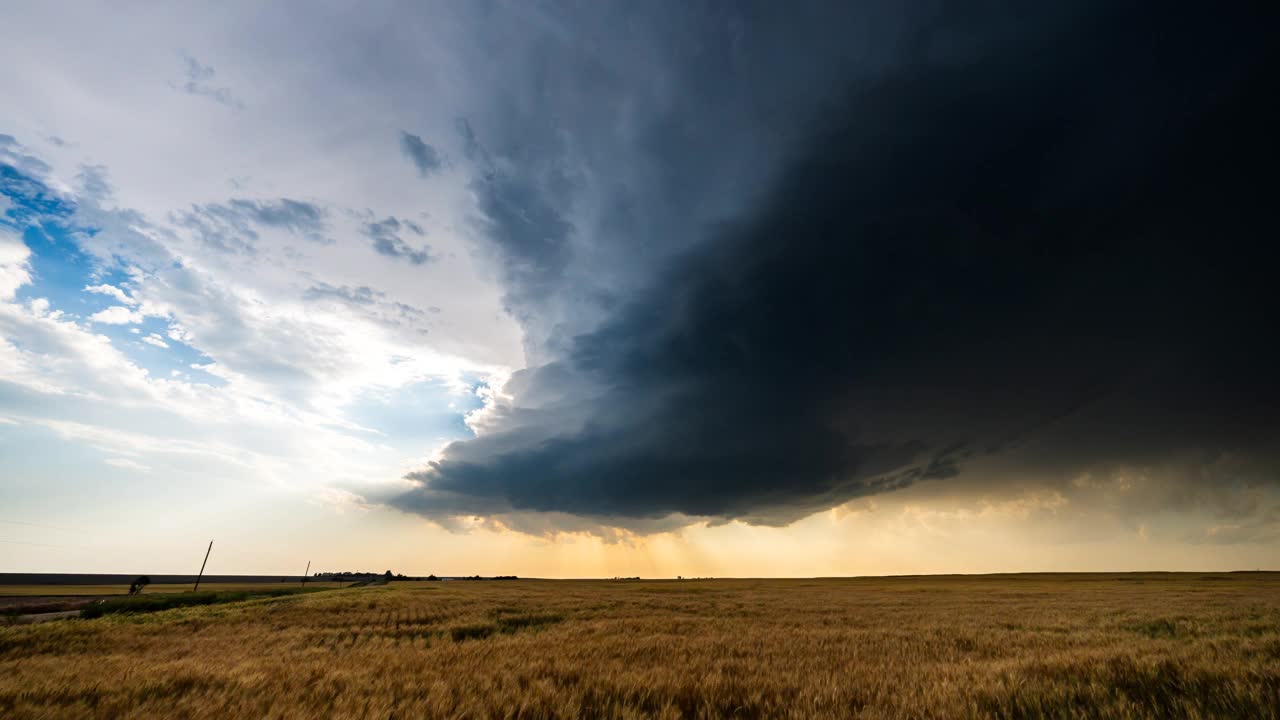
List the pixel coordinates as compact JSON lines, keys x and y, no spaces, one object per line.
{"x":206,"y":561}
{"x":304,"y":575}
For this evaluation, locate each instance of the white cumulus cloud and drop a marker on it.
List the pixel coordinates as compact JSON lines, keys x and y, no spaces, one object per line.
{"x":14,"y":270}
{"x":117,"y":315}
{"x":112,"y":291}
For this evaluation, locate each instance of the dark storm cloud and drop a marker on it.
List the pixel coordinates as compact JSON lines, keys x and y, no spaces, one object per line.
{"x":524,"y":211}
{"x":424,"y":156}
{"x":1037,"y":235}
{"x":615,"y":134}
{"x":385,"y":236}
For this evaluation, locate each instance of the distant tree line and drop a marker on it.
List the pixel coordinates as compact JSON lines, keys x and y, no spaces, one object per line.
{"x":348,"y":574}
{"x":355,"y":576}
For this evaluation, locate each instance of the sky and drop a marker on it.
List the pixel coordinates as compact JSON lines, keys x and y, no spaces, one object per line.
{"x":596,"y":289}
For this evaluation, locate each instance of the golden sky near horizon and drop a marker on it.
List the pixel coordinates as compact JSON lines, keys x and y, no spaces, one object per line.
{"x":892,"y":534}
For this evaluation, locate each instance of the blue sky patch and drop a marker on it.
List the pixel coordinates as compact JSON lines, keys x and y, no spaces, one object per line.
{"x":61,"y":271}
{"x":418,"y":414}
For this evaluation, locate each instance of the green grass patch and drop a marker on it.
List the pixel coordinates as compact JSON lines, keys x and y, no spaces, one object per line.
{"x":503,"y":624}
{"x":157,"y":603}
{"x":513,"y":623}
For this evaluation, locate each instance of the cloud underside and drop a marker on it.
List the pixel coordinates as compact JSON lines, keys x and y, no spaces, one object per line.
{"x":423,"y":156}
{"x":1054,"y":260}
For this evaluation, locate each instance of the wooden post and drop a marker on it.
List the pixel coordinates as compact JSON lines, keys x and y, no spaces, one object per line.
{"x":304,"y":574}
{"x":206,"y":561}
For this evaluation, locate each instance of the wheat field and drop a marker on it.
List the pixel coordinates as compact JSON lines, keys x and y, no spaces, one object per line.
{"x":1023,"y":646}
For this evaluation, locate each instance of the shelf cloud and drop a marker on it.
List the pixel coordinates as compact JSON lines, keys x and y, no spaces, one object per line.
{"x":977,"y":250}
